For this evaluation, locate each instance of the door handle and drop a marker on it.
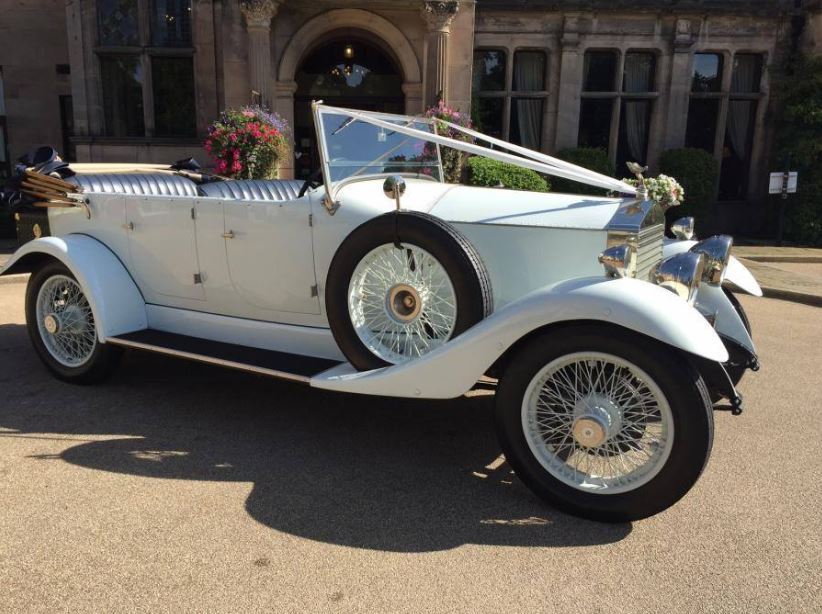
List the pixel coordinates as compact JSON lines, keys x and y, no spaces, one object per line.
{"x":229,"y":235}
{"x":129,"y":226}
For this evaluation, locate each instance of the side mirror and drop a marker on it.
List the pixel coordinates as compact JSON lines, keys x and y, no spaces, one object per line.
{"x":394,"y":188}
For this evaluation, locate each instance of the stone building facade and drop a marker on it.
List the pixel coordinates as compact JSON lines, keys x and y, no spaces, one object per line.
{"x":140,"y":80}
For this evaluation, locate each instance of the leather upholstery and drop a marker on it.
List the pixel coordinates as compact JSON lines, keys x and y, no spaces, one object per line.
{"x":253,"y":189}
{"x":156,"y":184}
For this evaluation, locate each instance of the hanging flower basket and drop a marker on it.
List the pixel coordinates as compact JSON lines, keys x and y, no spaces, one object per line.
{"x":452,"y":159}
{"x":247,"y":143}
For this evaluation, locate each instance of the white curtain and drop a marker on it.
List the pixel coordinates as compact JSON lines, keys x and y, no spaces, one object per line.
{"x":636,"y":128}
{"x":746,"y":70}
{"x":740,"y":112}
{"x":739,"y":123}
{"x":529,"y":76}
{"x":639,"y":69}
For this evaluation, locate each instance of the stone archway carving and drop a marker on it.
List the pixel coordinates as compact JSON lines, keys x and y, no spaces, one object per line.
{"x":394,"y":39}
{"x":314,"y":29}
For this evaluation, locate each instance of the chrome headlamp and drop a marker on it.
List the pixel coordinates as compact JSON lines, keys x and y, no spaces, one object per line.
{"x":619,"y":260}
{"x":717,"y":252}
{"x":681,"y":274}
{"x":683,"y":228}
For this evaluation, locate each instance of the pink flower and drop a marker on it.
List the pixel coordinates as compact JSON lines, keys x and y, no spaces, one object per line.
{"x":232,"y":138}
{"x":248,"y":113}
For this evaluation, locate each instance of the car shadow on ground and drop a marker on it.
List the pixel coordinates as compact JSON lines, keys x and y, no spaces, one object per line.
{"x":367,"y":472}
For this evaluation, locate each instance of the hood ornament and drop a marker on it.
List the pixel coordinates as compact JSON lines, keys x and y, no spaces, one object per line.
{"x":638,"y":171}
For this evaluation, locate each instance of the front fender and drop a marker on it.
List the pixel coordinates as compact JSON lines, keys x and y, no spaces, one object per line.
{"x":727,"y":322}
{"x":452,"y":369}
{"x":115,"y":301}
{"x":736,"y":273}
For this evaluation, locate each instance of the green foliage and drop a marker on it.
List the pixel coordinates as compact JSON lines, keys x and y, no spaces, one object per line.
{"x":698,"y":172}
{"x":487,"y":172}
{"x":592,"y":158}
{"x":797,"y":86}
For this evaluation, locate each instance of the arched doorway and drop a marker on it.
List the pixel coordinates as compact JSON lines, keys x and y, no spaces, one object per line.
{"x":346,"y":70}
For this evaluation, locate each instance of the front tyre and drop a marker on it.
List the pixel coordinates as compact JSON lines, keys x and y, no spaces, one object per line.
{"x":62,"y":329}
{"x":603,"y":423}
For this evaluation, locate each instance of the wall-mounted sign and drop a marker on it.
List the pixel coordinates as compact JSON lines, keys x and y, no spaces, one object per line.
{"x":783,"y":183}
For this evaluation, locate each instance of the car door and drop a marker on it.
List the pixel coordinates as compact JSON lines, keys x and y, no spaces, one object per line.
{"x":162,"y":247}
{"x":270,"y":254}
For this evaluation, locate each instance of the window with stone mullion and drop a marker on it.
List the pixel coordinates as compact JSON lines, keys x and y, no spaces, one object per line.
{"x":721,"y":115}
{"x":618,"y":91}
{"x":509,"y":93}
{"x":146,"y":68}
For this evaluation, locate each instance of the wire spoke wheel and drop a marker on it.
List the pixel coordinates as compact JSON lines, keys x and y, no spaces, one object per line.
{"x":597,"y":422}
{"x":65,"y":321}
{"x":401,"y":302}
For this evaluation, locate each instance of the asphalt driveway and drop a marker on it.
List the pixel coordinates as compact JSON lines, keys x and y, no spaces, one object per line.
{"x":182,"y":487}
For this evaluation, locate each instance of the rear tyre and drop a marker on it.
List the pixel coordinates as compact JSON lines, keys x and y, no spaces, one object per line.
{"x":402,"y":285}
{"x":61,"y":327}
{"x":603,"y":423}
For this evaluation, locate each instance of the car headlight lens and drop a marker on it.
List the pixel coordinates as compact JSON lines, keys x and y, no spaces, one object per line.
{"x":683,"y":228}
{"x":619,"y":261}
{"x":717,"y":252}
{"x":681,"y":274}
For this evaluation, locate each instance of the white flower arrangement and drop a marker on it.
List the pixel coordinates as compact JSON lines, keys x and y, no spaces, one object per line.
{"x":663,"y":189}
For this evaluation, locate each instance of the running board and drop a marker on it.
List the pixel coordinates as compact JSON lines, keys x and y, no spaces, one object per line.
{"x":294,"y":367}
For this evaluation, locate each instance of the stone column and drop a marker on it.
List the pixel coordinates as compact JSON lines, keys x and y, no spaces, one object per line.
{"x":570,"y":86}
{"x":679,"y":92}
{"x":438,"y":17}
{"x":258,"y":15}
{"x":284,"y":105}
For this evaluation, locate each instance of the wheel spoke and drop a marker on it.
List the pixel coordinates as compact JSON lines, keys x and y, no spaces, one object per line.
{"x":74,"y":340}
{"x":393,"y":338}
{"x":614,"y":403}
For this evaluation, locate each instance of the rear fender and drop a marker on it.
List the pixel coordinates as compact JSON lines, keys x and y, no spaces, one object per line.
{"x":736,"y":273}
{"x":115,"y":301}
{"x":453,"y":368}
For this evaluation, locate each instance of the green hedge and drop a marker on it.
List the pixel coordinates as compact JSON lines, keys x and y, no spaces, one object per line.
{"x":592,"y":158}
{"x":487,"y":172}
{"x":698,"y":172}
{"x":797,"y":88}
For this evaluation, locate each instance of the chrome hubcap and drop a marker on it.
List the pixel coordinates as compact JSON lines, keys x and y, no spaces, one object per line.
{"x":597,"y":422}
{"x":401,"y":302}
{"x":596,"y":419}
{"x":52,"y":324}
{"x":65,"y":321}
{"x":589,"y":432}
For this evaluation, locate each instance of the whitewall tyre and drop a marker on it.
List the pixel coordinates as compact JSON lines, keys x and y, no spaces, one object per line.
{"x":402,"y":285}
{"x":604,"y":423}
{"x":62,"y":329}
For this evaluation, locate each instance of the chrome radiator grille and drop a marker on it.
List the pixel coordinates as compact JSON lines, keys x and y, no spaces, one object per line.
{"x":649,"y":249}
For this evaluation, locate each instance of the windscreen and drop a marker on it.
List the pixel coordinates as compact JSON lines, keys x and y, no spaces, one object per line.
{"x":356,"y":148}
